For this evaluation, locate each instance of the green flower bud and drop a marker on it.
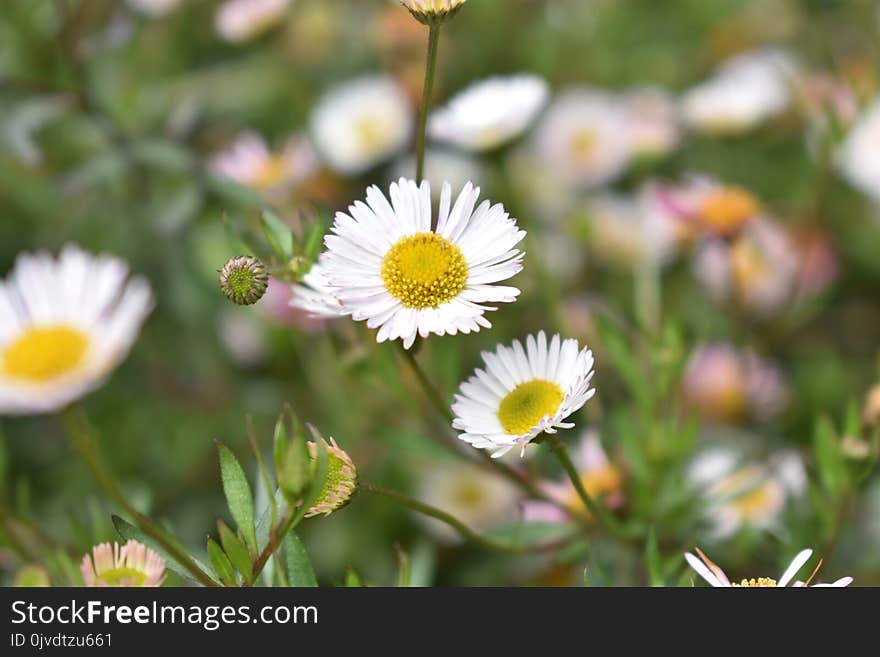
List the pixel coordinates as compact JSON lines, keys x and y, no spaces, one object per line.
{"x":432,"y":12}
{"x":244,"y":280}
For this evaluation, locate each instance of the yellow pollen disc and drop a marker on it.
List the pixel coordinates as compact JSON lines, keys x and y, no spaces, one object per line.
{"x":582,"y":144}
{"x":762,"y":582}
{"x":726,"y":210}
{"x":44,"y":353}
{"x":424,"y":270}
{"x":525,"y":405}
{"x":469,"y":494}
{"x":270,"y":173}
{"x":756,"y":502}
{"x":122,"y":576}
{"x":372,"y":132}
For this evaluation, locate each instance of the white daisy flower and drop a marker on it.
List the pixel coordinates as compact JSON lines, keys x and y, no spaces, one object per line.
{"x":362,"y":123}
{"x":652,"y":121}
{"x":241,"y":20}
{"x":388,"y":266}
{"x":132,"y":564}
{"x":716,"y":577}
{"x":859,"y":156}
{"x":524,"y":391}
{"x":749,"y":89}
{"x":489,"y":113}
{"x":583,"y":138}
{"x":154,"y":8}
{"x":64,"y":325}
{"x":249,"y":162}
{"x":314,"y":294}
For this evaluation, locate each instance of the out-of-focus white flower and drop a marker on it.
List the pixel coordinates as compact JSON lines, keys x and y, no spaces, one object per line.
{"x":602,"y":480}
{"x":859,"y":155}
{"x":523,"y":392}
{"x":65,"y":324}
{"x":248,"y":161}
{"x":582,"y":137}
{"x":652,"y":121}
{"x":489,"y":113}
{"x":625,"y":233}
{"x":758,"y":269}
{"x":723,"y":384}
{"x":478,"y":498}
{"x":241,"y":20}
{"x":817,"y":262}
{"x":441,"y":166}
{"x":133,"y":564}
{"x":361,"y":123}
{"x":387,"y":265}
{"x":155,"y":8}
{"x":740,"y":493}
{"x":716,"y":577}
{"x":747,"y":90}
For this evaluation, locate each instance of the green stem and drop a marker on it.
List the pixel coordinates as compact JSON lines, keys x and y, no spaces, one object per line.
{"x":430,"y":67}
{"x":82,"y":439}
{"x":462,"y":529}
{"x":596,"y":510}
{"x":436,"y":399}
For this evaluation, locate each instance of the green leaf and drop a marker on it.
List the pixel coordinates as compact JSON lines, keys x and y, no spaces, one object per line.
{"x":404,"y":573}
{"x":653,"y":562}
{"x":279,"y":236}
{"x":238,"y":496}
{"x":235,"y":550}
{"x":525,"y":534}
{"x":622,"y":357}
{"x":828,"y":457}
{"x":314,"y":239}
{"x":352,"y":579}
{"x":220,"y":562}
{"x":128,"y":531}
{"x":299,"y":566}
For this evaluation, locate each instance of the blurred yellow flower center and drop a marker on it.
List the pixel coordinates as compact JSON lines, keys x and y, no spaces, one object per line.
{"x":44,"y":353}
{"x":525,"y":405}
{"x":760,"y":582}
{"x":598,"y":483}
{"x":755,"y":502}
{"x":372,"y":133}
{"x":424,"y":270}
{"x":727,"y":209}
{"x":469,"y":494}
{"x":270,"y":172}
{"x":582,"y":144}
{"x":122,"y":576}
{"x":748,"y":265}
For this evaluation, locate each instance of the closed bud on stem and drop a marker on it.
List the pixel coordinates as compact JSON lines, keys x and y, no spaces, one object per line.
{"x":244,"y":280}
{"x":341,"y":480}
{"x":433,"y":12}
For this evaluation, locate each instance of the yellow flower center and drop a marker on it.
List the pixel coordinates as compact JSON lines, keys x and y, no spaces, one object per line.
{"x":372,"y":133}
{"x":748,"y":265}
{"x":44,"y":353}
{"x":582,"y":144}
{"x":469,"y":494}
{"x":270,"y":172}
{"x":122,"y":576}
{"x":525,"y":405}
{"x":762,"y":582}
{"x":754,"y":503}
{"x":727,"y":209}
{"x":424,"y":270}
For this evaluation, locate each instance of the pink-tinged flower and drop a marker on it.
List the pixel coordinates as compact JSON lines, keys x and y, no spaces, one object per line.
{"x":818,"y":265}
{"x":716,"y":577}
{"x":249,"y":162}
{"x":601,"y":478}
{"x":652,"y":121}
{"x":757,"y":269}
{"x":133,"y":564}
{"x":724,"y":385}
{"x":237,"y":21}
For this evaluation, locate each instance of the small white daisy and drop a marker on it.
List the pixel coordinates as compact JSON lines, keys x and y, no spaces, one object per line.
{"x":859,"y":156}
{"x":241,"y":20}
{"x":652,"y":121}
{"x":133,"y":564}
{"x":523,"y":392}
{"x":314,"y":294}
{"x":388,"y":266}
{"x":748,"y":89}
{"x":64,"y":325}
{"x":489,"y":113}
{"x":583,"y":138}
{"x":249,"y":162}
{"x":716,"y":577}
{"x":362,"y":123}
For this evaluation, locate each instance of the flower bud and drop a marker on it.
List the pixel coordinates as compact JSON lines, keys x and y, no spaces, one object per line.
{"x":244,"y":280}
{"x":340,"y":482}
{"x":432,"y":12}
